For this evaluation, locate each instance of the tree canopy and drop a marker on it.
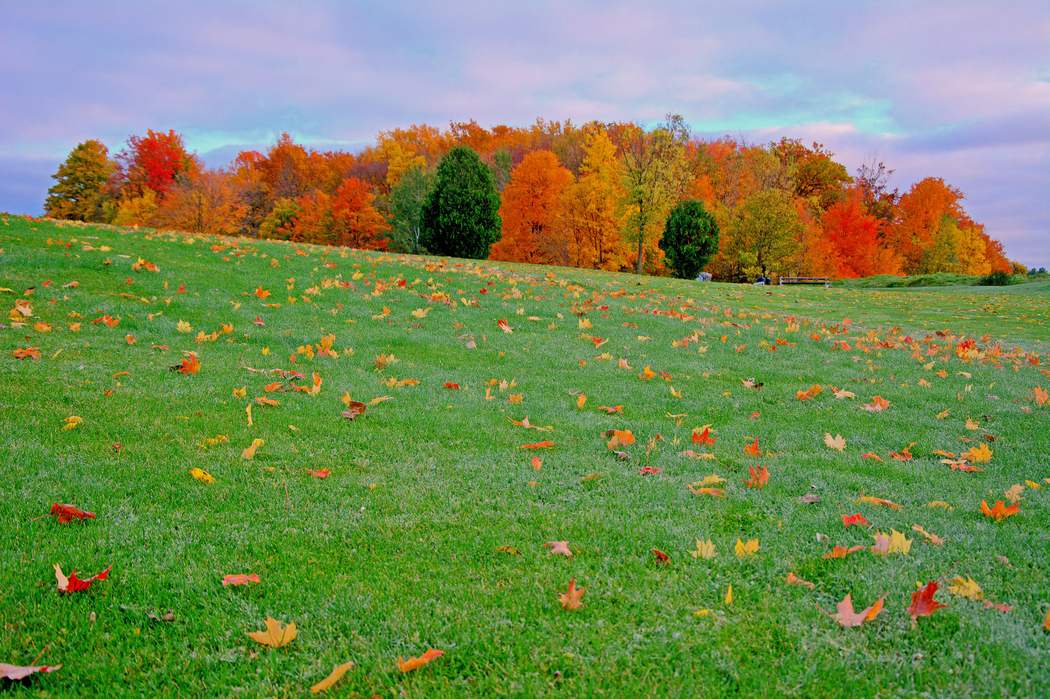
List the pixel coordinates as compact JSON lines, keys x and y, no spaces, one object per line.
{"x":460,"y":215}
{"x":690,"y":239}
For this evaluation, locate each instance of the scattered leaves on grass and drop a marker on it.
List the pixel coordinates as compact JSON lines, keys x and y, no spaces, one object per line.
{"x":276,"y":634}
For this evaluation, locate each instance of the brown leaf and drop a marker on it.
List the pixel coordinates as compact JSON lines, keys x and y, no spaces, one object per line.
{"x":571,"y":598}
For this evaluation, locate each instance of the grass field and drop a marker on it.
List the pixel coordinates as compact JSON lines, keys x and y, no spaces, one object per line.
{"x":429,"y":531}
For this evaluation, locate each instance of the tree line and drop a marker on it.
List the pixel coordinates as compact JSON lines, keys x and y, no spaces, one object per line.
{"x":612,"y":196}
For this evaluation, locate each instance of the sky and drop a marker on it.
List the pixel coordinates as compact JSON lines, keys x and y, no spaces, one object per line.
{"x":958,"y":90}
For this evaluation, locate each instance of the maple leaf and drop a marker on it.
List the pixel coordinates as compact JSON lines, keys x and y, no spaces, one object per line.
{"x":618,"y":437}
{"x":72,"y":583}
{"x":1000,"y":511}
{"x":67,"y":513}
{"x":759,"y":477}
{"x":201,"y":475}
{"x":704,"y":549}
{"x":537,"y":463}
{"x":753,"y":449}
{"x":240,"y":579}
{"x":190,"y":364}
{"x":648,"y":470}
{"x":904,"y":454}
{"x":276,"y":634}
{"x":249,"y":452}
{"x":581,"y":401}
{"x":965,"y":587}
{"x":843,"y":394}
{"x":895,"y":543}
{"x":1042,"y":397}
{"x":703,"y":436}
{"x":319,"y":474}
{"x":184,"y":327}
{"x":713,"y":479}
{"x":930,"y":538}
{"x":847,"y":617}
{"x":793,"y":579}
{"x":332,"y":678}
{"x":561,"y":547}
{"x":571,"y":598}
{"x":971,"y":425}
{"x":743,"y":550}
{"x":413,"y":663}
{"x":617,"y":409}
{"x":877,"y":404}
{"x":978,"y":455}
{"x":857,"y":519}
{"x":812,"y":392}
{"x":1013,"y":494}
{"x":922,"y":602}
{"x":622,"y":364}
{"x":504,"y":326}
{"x":647,"y":374}
{"x":16,"y":673}
{"x":716,"y":492}
{"x":836,"y":442}
{"x":842,"y":551}
{"x":26,"y":353}
{"x":354,"y":409}
{"x":661,"y":557}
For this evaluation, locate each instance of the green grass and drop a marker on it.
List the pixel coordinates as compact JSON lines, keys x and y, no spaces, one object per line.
{"x":395,"y":552}
{"x":940,"y":279}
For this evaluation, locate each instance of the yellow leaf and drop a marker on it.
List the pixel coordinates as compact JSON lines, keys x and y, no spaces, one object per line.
{"x":201,"y":475}
{"x":729,"y":595}
{"x":377,"y":401}
{"x":276,"y":634}
{"x":249,"y":411}
{"x":743,"y":550}
{"x":713,"y":479}
{"x":1014,"y":493}
{"x":971,"y":425}
{"x":581,"y":401}
{"x":71,"y":422}
{"x":240,"y":392}
{"x":704,"y":549}
{"x":965,"y":588}
{"x":249,"y":452}
{"x":978,"y":454}
{"x":943,"y":414}
{"x":1032,"y":484}
{"x":184,"y":327}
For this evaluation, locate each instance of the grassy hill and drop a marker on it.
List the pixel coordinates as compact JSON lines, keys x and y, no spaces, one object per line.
{"x":430,"y":528}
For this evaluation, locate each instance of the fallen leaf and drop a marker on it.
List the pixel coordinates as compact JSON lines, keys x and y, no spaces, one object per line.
{"x":877,"y":404}
{"x":240,"y":579}
{"x":413,"y":663}
{"x":894,"y":543}
{"x":354,"y":409}
{"x":703,"y":436}
{"x":836,"y":442}
{"x":201,"y":475}
{"x":930,"y":538}
{"x":67,"y":513}
{"x":867,"y":499}
{"x":847,"y":617}
{"x":971,"y":425}
{"x":561,"y":547}
{"x":922,"y":602}
{"x":72,"y":583}
{"x":617,"y":409}
{"x":319,"y":474}
{"x":978,"y":455}
{"x":717,"y":492}
{"x":16,"y":673}
{"x":759,"y":477}
{"x":729,"y":595}
{"x":334,"y":677}
{"x":661,"y":557}
{"x":276,"y":634}
{"x":538,"y":445}
{"x":1013,"y":494}
{"x":752,"y":449}
{"x":793,"y":579}
{"x":1000,"y":511}
{"x":571,"y":598}
{"x":965,"y":587}
{"x":249,"y":452}
{"x":842,"y":551}
{"x":704,"y":549}
{"x":856,"y":519}
{"x":743,"y":550}
{"x":508,"y":549}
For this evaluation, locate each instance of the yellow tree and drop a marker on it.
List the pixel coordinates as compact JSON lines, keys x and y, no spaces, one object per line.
{"x":593,"y":208}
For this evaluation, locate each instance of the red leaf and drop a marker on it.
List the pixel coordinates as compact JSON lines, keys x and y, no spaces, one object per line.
{"x":922,"y":602}
{"x":854,"y":519}
{"x":75,"y":584}
{"x":67,"y":513}
{"x":15,"y":673}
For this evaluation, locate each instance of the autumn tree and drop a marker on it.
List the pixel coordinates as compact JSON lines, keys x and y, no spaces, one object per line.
{"x":593,"y":210}
{"x":532,"y":212}
{"x":460,"y":214}
{"x":690,"y":239}
{"x":406,"y":201}
{"x":816,"y":178}
{"x":152,"y":162}
{"x":927,"y":217}
{"x":765,"y":232}
{"x":654,"y":173}
{"x":852,"y":241}
{"x":347,"y":219}
{"x":204,"y":201}
{"x":80,"y":184}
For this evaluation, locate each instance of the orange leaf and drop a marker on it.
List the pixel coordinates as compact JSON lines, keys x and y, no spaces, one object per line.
{"x":617,"y":409}
{"x":276,"y":634}
{"x":857,"y":519}
{"x":703,"y":437}
{"x":841,"y":551}
{"x":847,"y":617}
{"x":717,"y":492}
{"x":571,"y":598}
{"x":354,"y":408}
{"x":538,"y":445}
{"x":413,"y":663}
{"x":759,"y":477}
{"x":319,"y":474}
{"x":753,"y":449}
{"x":793,"y":579}
{"x":1000,"y":511}
{"x":452,"y":386}
{"x":877,"y":404}
{"x":332,"y":678}
{"x":240,"y":579}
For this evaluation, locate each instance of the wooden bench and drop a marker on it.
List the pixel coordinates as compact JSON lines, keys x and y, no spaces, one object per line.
{"x":805,"y":280}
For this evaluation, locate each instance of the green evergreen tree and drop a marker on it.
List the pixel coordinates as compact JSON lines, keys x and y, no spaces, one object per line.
{"x":690,"y":239}
{"x":460,"y":216}
{"x":80,"y":184}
